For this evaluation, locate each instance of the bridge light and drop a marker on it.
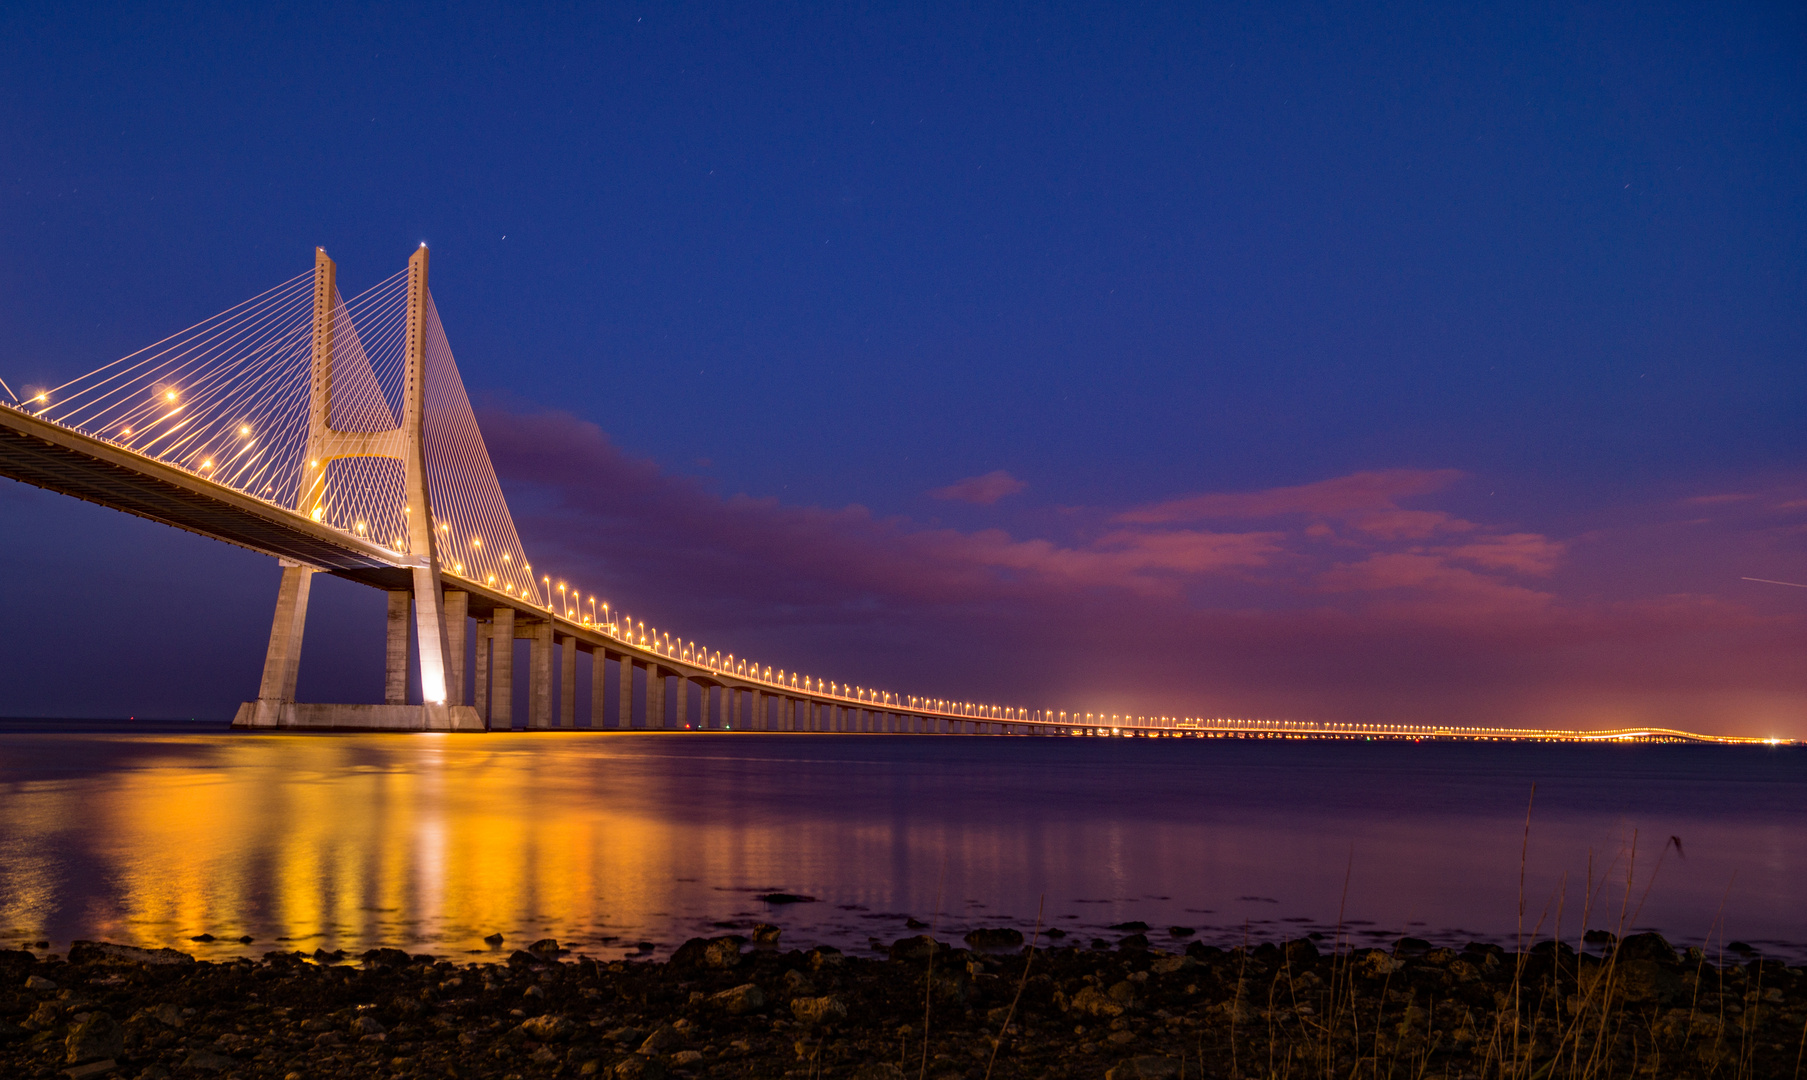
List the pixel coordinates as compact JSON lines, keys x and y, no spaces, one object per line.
{"x":457,"y":568}
{"x":317,"y":513}
{"x":244,"y":429}
{"x":208,"y":464}
{"x":170,"y":396}
{"x":477,"y":541}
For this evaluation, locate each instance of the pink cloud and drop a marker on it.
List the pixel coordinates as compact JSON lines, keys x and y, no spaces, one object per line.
{"x":980,"y":490}
{"x":1340,"y":497}
{"x":1363,"y":609}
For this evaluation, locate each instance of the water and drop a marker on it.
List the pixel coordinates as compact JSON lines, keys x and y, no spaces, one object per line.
{"x":432,"y":842}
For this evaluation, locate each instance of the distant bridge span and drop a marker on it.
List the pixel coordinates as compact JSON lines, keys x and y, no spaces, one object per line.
{"x":336,"y":436}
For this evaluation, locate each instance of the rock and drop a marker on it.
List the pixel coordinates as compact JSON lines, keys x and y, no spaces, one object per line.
{"x":551,"y":1027}
{"x":385,"y":958}
{"x":1133,"y":927}
{"x":686,"y":1057}
{"x":1054,"y":933}
{"x":545,"y":1055}
{"x":1167,"y":965}
{"x":1147,"y":1067}
{"x":1646,"y":947}
{"x":533,"y":992}
{"x":818,"y":1010}
{"x":100,"y":952}
{"x":166,"y":1014}
{"x":639,"y":1068}
{"x":494,"y":941}
{"x":824,"y":955}
{"x":1648,"y":981}
{"x":545,"y":948}
{"x":739,"y":1000}
{"x":718,"y":952}
{"x":913,"y":923}
{"x":207,"y":1061}
{"x":92,"y":1068}
{"x":38,"y":982}
{"x":624,"y":1035}
{"x":246,"y":939}
{"x":99,"y":1036}
{"x":797,"y":984}
{"x":1239,"y":1012}
{"x":920,"y":947}
{"x":321,"y":956}
{"x":1091,"y":1001}
{"x":203,"y":938}
{"x":998,"y":937}
{"x":1411,"y":946}
{"x":367,"y":1025}
{"x":765,"y":936}
{"x":785,"y":898}
{"x":882,"y":1070}
{"x":1134,"y":942}
{"x":1180,"y":931}
{"x":663,"y":1038}
{"x":1376,"y":964}
{"x":1300,"y":951}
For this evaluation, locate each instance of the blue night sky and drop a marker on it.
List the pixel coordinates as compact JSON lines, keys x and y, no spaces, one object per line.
{"x":1340,"y":361}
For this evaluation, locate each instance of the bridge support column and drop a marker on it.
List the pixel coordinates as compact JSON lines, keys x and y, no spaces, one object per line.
{"x":655,"y":697}
{"x":624,"y":694}
{"x":501,"y":667}
{"x":567,"y":683}
{"x":539,"y":674}
{"x":480,"y":691}
{"x":599,"y":697}
{"x":395,"y":656}
{"x":282,"y":661}
{"x":457,"y":613}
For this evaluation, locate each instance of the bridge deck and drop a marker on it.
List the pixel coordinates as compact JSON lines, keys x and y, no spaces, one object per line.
{"x":56,"y":458}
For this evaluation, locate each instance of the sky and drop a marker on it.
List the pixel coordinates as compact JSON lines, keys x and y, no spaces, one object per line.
{"x":1360,"y":362}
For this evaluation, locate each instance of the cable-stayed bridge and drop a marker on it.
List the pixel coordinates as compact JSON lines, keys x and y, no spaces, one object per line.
{"x":336,"y":436}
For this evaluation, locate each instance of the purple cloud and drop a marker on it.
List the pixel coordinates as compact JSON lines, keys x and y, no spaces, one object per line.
{"x":980,"y":490}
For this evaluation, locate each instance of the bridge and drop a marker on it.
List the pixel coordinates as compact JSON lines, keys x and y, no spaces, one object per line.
{"x":336,"y":436}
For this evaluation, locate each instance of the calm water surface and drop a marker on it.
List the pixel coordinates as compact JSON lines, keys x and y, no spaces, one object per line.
{"x":431,"y":842}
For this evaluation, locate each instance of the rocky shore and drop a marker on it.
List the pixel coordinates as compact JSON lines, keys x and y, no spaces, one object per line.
{"x":732,"y":1007}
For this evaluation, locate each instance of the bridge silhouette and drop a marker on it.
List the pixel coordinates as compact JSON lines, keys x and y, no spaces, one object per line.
{"x":336,"y":436}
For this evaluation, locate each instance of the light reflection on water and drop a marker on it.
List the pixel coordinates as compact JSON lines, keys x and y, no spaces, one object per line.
{"x":431,"y":842}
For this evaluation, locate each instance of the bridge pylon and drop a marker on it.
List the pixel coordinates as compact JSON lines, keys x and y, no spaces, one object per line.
{"x":440,"y":672}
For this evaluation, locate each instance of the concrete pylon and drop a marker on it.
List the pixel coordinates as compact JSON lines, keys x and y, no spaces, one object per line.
{"x":442,"y":709}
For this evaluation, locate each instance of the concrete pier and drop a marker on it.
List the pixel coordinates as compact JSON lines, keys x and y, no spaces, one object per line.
{"x":501,"y":670}
{"x":567,"y":682}
{"x":395,"y":655}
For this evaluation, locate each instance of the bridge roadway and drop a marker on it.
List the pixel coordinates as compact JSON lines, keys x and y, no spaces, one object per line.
{"x":61,"y":459}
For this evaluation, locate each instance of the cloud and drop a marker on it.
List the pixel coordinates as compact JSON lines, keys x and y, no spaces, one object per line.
{"x":1339,"y":497}
{"x":1330,"y":599}
{"x":980,"y":490}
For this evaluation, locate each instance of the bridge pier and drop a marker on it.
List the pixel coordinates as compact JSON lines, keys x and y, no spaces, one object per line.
{"x":501,"y":669}
{"x":624,"y":693}
{"x":457,"y":613}
{"x":480,"y":691}
{"x":395,"y":653}
{"x":567,"y":683}
{"x":539,"y":674}
{"x":282,"y":660}
{"x":599,"y":697}
{"x":655,"y":697}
